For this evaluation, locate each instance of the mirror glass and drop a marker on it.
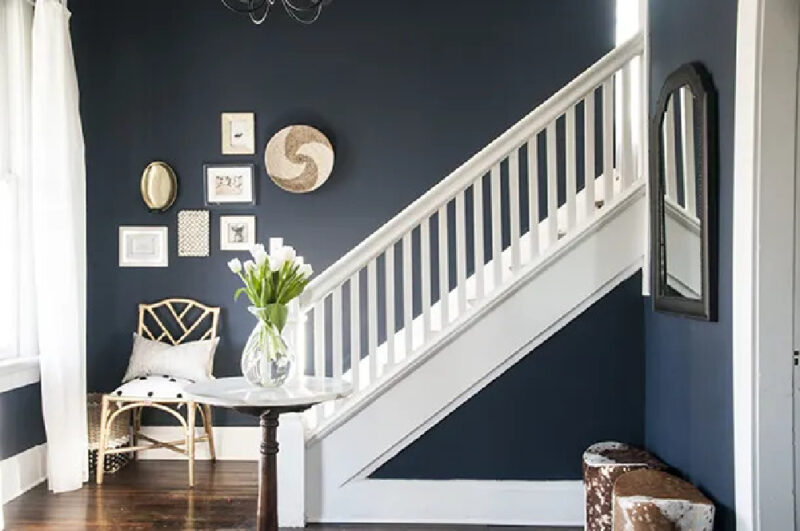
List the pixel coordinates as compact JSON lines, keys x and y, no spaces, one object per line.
{"x":681,"y":183}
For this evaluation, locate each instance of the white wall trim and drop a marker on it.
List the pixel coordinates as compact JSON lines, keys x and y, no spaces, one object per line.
{"x":18,"y":372}
{"x":463,"y":502}
{"x":763,"y":221}
{"x":241,"y":443}
{"x":20,"y":473}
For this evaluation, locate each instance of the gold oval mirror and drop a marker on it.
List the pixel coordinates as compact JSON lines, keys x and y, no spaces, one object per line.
{"x":159,"y":186}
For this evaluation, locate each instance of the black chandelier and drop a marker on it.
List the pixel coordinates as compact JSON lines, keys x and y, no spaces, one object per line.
{"x":303,"y":11}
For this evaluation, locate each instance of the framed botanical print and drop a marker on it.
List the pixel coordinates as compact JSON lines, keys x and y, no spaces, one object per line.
{"x":143,"y":247}
{"x":238,"y":133}
{"x":229,"y":184}
{"x":237,"y":233}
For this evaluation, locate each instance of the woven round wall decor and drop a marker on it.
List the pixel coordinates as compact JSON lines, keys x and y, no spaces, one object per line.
{"x":299,"y":158}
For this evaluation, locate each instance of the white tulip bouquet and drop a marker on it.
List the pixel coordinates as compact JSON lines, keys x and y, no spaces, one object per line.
{"x":271,"y":282}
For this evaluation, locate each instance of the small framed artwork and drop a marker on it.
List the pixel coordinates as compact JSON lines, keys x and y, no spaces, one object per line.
{"x":238,"y":133}
{"x":193,"y":232}
{"x":229,"y":184}
{"x":143,"y":247}
{"x":237,"y":233}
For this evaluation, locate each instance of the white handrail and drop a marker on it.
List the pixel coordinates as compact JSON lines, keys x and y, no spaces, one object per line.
{"x":476,"y":166}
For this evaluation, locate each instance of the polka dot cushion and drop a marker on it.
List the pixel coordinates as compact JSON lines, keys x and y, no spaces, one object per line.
{"x":161,"y":386}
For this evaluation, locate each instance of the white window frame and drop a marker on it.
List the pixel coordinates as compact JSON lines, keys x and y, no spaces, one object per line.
{"x":18,"y":372}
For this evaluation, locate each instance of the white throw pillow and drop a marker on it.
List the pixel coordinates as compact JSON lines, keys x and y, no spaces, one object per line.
{"x":192,"y":360}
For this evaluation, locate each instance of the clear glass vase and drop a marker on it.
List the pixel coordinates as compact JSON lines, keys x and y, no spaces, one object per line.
{"x":269,"y":351}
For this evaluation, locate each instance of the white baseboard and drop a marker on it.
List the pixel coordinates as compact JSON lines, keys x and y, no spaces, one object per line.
{"x":463,"y":502}
{"x":235,"y":443}
{"x":20,"y":473}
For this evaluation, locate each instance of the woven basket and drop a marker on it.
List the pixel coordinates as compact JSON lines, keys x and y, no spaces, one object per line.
{"x":119,"y":435}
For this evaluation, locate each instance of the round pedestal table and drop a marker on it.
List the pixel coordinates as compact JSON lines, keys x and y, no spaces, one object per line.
{"x":268,"y":404}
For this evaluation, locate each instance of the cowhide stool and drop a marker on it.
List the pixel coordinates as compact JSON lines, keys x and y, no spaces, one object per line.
{"x":603,"y":463}
{"x":652,"y":500}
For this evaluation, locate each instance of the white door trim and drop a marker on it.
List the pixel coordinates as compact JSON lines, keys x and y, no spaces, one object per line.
{"x":763,"y":221}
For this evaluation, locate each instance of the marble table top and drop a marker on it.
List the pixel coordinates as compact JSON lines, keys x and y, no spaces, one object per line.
{"x":238,"y":392}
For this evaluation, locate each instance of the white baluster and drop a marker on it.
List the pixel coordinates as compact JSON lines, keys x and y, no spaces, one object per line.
{"x":425,"y":274}
{"x":299,"y":318}
{"x":336,"y":338}
{"x":477,"y":225}
{"x":588,"y":153}
{"x":355,"y":332}
{"x":444,"y":269}
{"x":670,"y":170}
{"x":336,"y":313}
{"x":497,"y":228}
{"x":408,"y":293}
{"x":687,"y":134}
{"x":461,"y":254}
{"x":319,"y":412}
{"x":513,"y":203}
{"x":627,"y":166}
{"x":372,"y":320}
{"x":390,"y":324}
{"x":552,"y":186}
{"x":572,"y":182}
{"x":533,"y":196}
{"x":319,"y":338}
{"x":608,"y":141}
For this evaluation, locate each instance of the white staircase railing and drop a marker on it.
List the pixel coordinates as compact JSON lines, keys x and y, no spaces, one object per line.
{"x":380,"y":305}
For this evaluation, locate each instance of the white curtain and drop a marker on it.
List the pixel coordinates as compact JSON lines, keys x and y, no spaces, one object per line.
{"x":58,"y":176}
{"x":43,"y":220}
{"x":17,"y":303}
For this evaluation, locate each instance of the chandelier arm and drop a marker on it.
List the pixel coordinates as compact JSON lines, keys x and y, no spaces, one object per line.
{"x":258,"y":21}
{"x":252,"y":6}
{"x":293,"y":12}
{"x":315,"y":5}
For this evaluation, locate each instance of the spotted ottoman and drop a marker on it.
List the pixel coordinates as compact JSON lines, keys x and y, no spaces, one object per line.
{"x":603,"y":463}
{"x":652,"y":500}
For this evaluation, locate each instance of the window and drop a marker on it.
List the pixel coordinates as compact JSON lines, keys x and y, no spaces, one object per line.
{"x":8,"y":291}
{"x":17,"y":330}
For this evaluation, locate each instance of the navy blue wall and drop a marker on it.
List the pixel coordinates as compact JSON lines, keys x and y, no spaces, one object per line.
{"x":405,"y":90}
{"x":21,"y":424}
{"x":585,"y":384}
{"x":689,"y":419}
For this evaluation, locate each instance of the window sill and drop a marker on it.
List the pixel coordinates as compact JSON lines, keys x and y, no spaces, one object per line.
{"x":18,"y":372}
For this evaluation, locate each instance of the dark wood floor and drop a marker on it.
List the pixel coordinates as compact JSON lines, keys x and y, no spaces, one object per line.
{"x":153,"y":495}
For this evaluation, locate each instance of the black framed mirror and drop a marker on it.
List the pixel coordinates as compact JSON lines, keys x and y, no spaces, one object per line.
{"x":683,"y":177}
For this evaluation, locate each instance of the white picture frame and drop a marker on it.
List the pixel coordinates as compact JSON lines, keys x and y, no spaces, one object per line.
{"x":237,"y":233}
{"x":229,"y":184}
{"x":238,"y":133}
{"x":143,"y":247}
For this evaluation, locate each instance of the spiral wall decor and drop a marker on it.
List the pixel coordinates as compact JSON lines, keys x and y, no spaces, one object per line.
{"x":299,"y":158}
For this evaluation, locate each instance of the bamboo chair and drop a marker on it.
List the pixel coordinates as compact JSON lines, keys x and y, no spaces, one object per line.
{"x":181,"y":320}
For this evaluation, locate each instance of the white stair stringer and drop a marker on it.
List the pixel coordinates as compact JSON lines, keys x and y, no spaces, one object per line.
{"x":482,"y":344}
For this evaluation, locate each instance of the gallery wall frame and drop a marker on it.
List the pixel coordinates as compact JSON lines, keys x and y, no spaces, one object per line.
{"x":237,"y":233}
{"x":238,"y":133}
{"x":229,"y":184}
{"x":143,"y":246}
